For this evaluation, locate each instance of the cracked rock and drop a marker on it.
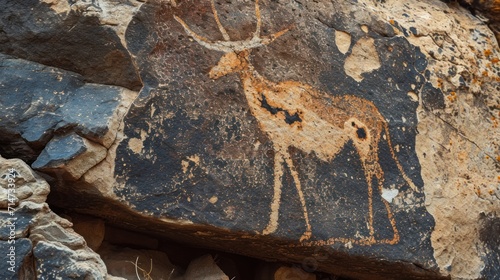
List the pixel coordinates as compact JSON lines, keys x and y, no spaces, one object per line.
{"x":81,"y":38}
{"x":69,"y":156}
{"x":40,"y":102}
{"x":359,"y":138}
{"x":42,"y":244}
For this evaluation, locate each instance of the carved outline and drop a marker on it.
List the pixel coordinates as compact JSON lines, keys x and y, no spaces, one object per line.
{"x":294,"y":114}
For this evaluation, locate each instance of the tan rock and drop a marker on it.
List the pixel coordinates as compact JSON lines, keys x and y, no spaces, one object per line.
{"x":457,"y":146}
{"x":22,"y":183}
{"x":132,"y":264}
{"x":204,"y":268}
{"x":343,"y":41}
{"x":363,"y":59}
{"x":57,"y":250}
{"x":292,"y":273}
{"x":90,"y":228}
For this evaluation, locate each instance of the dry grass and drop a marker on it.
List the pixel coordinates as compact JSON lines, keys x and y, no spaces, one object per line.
{"x":146,"y":275}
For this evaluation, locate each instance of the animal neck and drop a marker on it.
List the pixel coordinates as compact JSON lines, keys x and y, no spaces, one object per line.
{"x":248,"y":73}
{"x":255,"y":86}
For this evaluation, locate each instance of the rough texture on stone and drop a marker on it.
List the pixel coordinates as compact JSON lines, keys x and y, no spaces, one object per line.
{"x":486,"y":10}
{"x":41,"y":104}
{"x":55,"y":261}
{"x":458,"y":141}
{"x":17,"y":262}
{"x":359,"y":138}
{"x":204,"y":268}
{"x":70,"y":156}
{"x":43,"y":244}
{"x":80,"y":36}
{"x":128,"y":263}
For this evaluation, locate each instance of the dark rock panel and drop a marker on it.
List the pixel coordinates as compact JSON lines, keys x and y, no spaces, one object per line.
{"x":35,"y":242}
{"x":61,"y":36}
{"x":490,"y":237}
{"x":38,"y":102}
{"x":56,"y":261}
{"x":221,"y":153}
{"x":17,"y":258}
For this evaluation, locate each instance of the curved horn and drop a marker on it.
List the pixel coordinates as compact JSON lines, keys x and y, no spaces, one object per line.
{"x":216,"y":46}
{"x":221,"y":28}
{"x":233,"y":46}
{"x":257,"y":15}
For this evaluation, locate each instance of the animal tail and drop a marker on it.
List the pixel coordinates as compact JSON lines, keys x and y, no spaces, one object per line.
{"x":403,"y":173}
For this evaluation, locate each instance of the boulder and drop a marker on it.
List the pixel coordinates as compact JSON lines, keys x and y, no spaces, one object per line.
{"x":90,"y":228}
{"x":38,"y":243}
{"x":82,"y":36}
{"x":138,"y":264}
{"x":204,"y":268}
{"x":358,"y":138}
{"x":42,"y":104}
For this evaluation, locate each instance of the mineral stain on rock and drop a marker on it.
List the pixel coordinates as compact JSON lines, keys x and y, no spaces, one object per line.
{"x":274,"y":129}
{"x":289,"y":118}
{"x":335,"y":123}
{"x":343,"y":41}
{"x":363,"y":59}
{"x":489,"y":235}
{"x":325,"y":147}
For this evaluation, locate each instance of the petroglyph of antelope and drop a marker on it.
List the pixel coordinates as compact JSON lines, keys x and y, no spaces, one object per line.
{"x":295,"y":114}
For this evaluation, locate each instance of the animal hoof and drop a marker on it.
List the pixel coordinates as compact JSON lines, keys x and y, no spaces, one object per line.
{"x":306,"y":236}
{"x":268,"y":230}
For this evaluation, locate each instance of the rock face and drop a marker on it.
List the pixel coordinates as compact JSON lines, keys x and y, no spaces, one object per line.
{"x":353,"y":138}
{"x":51,"y":117}
{"x":51,"y":34}
{"x":38,"y":243}
{"x":289,"y":150}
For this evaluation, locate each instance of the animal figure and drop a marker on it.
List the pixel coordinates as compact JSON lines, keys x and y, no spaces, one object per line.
{"x":294,"y":114}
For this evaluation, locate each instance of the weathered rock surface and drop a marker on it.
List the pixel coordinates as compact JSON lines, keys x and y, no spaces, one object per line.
{"x":91,"y":229}
{"x":18,"y":263}
{"x":202,"y":268}
{"x":486,"y":10}
{"x":458,"y":145}
{"x":51,"y":32}
{"x":358,"y":138}
{"x":38,"y":243}
{"x":71,"y":155}
{"x":52,"y":109}
{"x":129,"y":263}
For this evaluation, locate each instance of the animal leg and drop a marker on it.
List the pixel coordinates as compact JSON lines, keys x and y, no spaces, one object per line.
{"x":400,"y":167}
{"x":275,"y":204}
{"x":368,"y":175}
{"x":373,"y":169}
{"x":390,"y":216}
{"x":307,"y":234}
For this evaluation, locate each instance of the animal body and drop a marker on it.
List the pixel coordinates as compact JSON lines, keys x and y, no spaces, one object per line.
{"x":294,"y":114}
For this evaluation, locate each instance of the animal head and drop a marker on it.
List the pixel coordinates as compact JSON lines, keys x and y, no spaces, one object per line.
{"x":229,"y":63}
{"x":236,"y":52}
